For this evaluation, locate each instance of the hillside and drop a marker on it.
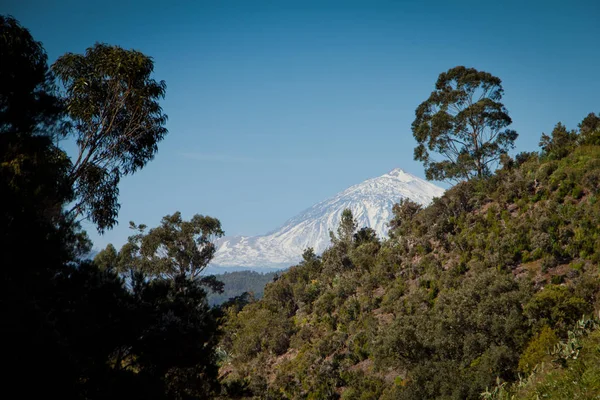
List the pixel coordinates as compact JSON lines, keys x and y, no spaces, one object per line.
{"x":569,"y":370}
{"x":465,"y":295}
{"x":237,"y":283}
{"x":370,"y":201}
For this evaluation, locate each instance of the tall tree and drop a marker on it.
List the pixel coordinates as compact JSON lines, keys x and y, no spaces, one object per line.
{"x":112,"y":102}
{"x":559,"y":143}
{"x":346,"y":228}
{"x":36,"y":240}
{"x":464,"y":123}
{"x":33,"y":169}
{"x":341,"y":244}
{"x":589,"y":130}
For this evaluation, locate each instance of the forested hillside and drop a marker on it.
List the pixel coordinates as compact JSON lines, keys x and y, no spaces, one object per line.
{"x":239,"y":282}
{"x":467,"y":294}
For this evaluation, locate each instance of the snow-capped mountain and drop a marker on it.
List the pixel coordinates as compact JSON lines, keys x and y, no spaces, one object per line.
{"x":371,"y":203}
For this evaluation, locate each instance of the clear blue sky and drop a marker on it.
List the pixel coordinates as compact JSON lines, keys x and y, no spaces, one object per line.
{"x":275,"y":105}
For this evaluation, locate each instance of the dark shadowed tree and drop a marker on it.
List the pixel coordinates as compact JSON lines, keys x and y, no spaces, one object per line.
{"x":64,"y":321}
{"x":178,"y":330}
{"x":28,"y":101}
{"x":71,"y":328}
{"x":33,"y":170}
{"x":177,"y":345}
{"x":36,"y":240}
{"x":365,"y":235}
{"x":112,"y":103}
{"x":461,"y":128}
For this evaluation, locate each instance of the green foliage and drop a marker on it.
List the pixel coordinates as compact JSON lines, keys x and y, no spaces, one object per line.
{"x":175,"y":248}
{"x":560,"y":142}
{"x":556,"y":306}
{"x":112,"y":103}
{"x":362,"y":387}
{"x":479,"y":326}
{"x":338,"y":257}
{"x":464,"y":122}
{"x":573,"y":374}
{"x":347,"y":226}
{"x":538,"y":350}
{"x":590,"y":130}
{"x":107,"y":258}
{"x":465,"y":295}
{"x":263,"y":330}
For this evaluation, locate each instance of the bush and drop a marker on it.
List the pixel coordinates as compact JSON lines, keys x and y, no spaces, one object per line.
{"x":538,"y":350}
{"x":556,"y":306}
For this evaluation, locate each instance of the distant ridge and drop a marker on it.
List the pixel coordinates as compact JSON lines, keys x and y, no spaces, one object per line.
{"x":371,"y":203}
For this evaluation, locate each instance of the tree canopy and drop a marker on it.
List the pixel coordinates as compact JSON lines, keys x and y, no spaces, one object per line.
{"x":112,"y":103}
{"x":461,"y":128}
{"x":176,"y":248}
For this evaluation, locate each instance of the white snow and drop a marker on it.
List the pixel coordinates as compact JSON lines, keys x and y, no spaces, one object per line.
{"x":371,"y":203}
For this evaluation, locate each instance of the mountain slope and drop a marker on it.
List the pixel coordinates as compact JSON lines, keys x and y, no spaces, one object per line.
{"x":371,"y":203}
{"x":469,"y":293}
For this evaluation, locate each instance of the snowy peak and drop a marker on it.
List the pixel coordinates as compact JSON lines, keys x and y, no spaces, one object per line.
{"x":371,"y":203}
{"x":401,"y":175}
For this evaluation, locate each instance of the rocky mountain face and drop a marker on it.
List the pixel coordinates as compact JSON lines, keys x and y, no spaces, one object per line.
{"x":371,"y":203}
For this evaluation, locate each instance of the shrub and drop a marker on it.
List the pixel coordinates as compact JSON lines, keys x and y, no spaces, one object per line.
{"x":538,"y":350}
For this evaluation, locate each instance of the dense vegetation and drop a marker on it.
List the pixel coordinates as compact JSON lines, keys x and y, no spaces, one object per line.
{"x":490,"y":292}
{"x":467,"y":294}
{"x":135,"y":327}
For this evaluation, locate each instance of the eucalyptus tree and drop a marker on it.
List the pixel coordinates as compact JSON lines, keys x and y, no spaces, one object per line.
{"x":113,"y":105}
{"x":461,"y":129}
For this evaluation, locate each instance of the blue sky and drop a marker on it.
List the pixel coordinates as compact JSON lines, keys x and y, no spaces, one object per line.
{"x":275,"y":105}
